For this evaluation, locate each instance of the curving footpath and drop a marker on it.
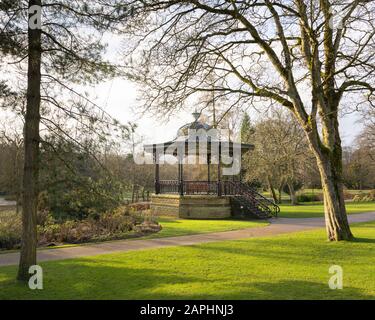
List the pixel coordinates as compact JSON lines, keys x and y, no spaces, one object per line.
{"x":277,"y":226}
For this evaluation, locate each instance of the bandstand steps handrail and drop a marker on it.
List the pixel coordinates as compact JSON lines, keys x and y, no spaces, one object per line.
{"x":264,"y":206}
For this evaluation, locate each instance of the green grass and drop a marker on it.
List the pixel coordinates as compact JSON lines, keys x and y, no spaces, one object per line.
{"x":179,"y":227}
{"x":286,"y":197}
{"x":320,"y":191}
{"x":291,"y":266}
{"x":317,"y":210}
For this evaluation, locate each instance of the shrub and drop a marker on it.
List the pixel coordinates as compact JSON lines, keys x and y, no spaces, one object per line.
{"x":10,"y":230}
{"x":10,"y":198}
{"x":348,"y":195}
{"x":139,"y":206}
{"x":305,"y":197}
{"x":82,"y":200}
{"x":116,"y":222}
{"x":48,"y":233}
{"x":365,"y":197}
{"x":43,"y":218}
{"x":147,"y":227}
{"x":75,"y":232}
{"x":111,"y":225}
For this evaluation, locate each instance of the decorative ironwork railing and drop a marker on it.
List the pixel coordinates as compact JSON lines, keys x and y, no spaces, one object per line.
{"x":189,"y":187}
{"x":253,"y":198}
{"x":200,"y":187}
{"x":169,"y":186}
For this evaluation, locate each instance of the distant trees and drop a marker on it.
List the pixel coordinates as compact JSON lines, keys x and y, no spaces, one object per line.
{"x":367,"y":137}
{"x":282,"y":160}
{"x":11,"y":160}
{"x":359,"y":159}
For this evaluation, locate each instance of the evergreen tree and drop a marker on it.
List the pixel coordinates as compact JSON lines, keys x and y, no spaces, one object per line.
{"x":58,"y":44}
{"x":247,"y":130}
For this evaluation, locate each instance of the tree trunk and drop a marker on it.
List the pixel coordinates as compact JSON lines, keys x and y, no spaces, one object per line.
{"x":292,"y":192}
{"x":31,"y":161}
{"x":328,"y":155}
{"x":280,"y":191}
{"x":336,"y":219}
{"x":272,"y":189}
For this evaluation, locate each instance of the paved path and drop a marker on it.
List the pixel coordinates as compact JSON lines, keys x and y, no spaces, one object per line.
{"x":277,"y":226}
{"x":5,"y":203}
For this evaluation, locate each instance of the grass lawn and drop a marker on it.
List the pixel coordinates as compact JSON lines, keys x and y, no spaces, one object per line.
{"x":291,"y":266}
{"x":320,"y":191}
{"x":317,"y":210}
{"x":180,"y":227}
{"x":286,"y":197}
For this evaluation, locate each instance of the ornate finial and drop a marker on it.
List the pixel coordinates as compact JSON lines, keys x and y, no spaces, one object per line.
{"x":196,"y":115}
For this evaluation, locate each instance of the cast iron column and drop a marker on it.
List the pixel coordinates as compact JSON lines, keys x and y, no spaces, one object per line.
{"x":180,"y":158}
{"x":208,"y":173}
{"x":219,"y":173}
{"x":157,"y":172}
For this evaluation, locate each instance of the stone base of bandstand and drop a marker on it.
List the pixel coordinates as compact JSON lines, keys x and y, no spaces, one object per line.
{"x":191,"y":206}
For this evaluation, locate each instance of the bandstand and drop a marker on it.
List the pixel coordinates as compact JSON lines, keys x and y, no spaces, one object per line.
{"x":218,"y":198}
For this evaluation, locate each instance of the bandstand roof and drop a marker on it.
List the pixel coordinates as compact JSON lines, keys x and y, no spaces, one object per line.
{"x":202,"y":134}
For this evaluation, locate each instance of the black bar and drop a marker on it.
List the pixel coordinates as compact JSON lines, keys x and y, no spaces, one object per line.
{"x":190,"y":309}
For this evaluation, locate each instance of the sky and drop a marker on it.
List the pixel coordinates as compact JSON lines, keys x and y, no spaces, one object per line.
{"x":119,"y":98}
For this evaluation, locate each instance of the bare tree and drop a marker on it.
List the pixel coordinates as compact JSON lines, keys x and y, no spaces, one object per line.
{"x":359,"y":163}
{"x":280,"y":153}
{"x":367,"y":138}
{"x":358,"y":167}
{"x":309,"y":57}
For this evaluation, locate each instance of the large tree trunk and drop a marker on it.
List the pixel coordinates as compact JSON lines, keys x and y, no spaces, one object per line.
{"x":328,"y":154}
{"x":334,"y":204}
{"x":31,"y":161}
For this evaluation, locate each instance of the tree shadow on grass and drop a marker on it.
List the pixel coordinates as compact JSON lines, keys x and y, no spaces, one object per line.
{"x":76,"y":279}
{"x":364,"y":240}
{"x":87,"y":279}
{"x":289,"y":250}
{"x":295,"y":290}
{"x":259,"y":249}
